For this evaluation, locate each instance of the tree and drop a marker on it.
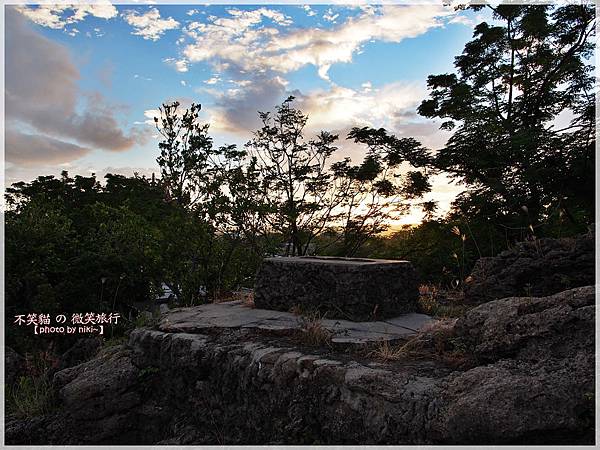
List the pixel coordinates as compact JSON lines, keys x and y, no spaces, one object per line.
{"x":210,"y":186}
{"x":376,"y":192}
{"x":75,"y":246}
{"x":309,"y":196}
{"x":193,"y":171}
{"x":513,"y":81}
{"x":295,"y":181}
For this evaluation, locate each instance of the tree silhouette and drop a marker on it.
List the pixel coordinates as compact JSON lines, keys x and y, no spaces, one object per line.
{"x":513,"y":81}
{"x":295,"y":180}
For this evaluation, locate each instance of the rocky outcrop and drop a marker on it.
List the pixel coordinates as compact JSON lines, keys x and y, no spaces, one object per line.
{"x":530,"y":381}
{"x":535,"y":381}
{"x":534,"y":268}
{"x":106,"y":400}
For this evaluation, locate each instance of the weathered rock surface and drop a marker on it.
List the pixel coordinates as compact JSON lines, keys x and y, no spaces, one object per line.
{"x":536,"y":381}
{"x":534,"y":268}
{"x":235,"y":314}
{"x":343,"y":288}
{"x":82,"y":350}
{"x":531,"y":382}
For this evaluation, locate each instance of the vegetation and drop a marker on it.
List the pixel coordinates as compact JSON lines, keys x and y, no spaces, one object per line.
{"x":79,"y":244}
{"x":30,"y":397}
{"x":513,"y":80}
{"x":32,"y":394}
{"x":312,"y":332}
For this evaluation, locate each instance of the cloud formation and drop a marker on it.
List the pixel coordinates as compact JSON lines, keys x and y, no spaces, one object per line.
{"x":149,"y":25}
{"x":58,"y":16}
{"x":336,"y":109}
{"x":245,"y":42}
{"x":309,"y":10}
{"x":30,"y":149}
{"x":43,"y":98}
{"x":236,"y":110}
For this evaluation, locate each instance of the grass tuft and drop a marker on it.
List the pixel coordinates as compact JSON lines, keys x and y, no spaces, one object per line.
{"x":442,"y":304}
{"x":30,"y":397}
{"x":387,"y":352}
{"x":313,"y":332}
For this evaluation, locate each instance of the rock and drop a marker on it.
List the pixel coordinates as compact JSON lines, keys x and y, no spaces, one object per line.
{"x":536,"y":381}
{"x":515,"y":402}
{"x":265,"y":392}
{"x":83,"y":350}
{"x":540,"y":327}
{"x":227,"y":315}
{"x":531,"y":382}
{"x":105,"y":401}
{"x":14,"y":365}
{"x":342,"y":288}
{"x":534,"y":268}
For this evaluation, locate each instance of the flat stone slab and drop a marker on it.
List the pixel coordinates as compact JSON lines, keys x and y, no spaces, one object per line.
{"x":236,"y":314}
{"x":345,"y":288}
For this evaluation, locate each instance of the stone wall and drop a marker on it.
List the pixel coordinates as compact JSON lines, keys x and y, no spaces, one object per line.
{"x":341,"y":288}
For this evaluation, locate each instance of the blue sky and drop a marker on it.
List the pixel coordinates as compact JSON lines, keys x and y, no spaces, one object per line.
{"x":83,"y":82}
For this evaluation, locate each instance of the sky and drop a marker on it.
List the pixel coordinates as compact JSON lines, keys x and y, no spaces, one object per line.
{"x":83,"y":83}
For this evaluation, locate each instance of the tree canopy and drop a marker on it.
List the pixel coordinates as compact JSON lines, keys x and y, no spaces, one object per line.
{"x":521,"y":106}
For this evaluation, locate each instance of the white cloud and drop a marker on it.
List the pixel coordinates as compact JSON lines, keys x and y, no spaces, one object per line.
{"x":392,"y":106}
{"x":244,"y":42}
{"x":241,"y":83}
{"x":149,"y":25}
{"x":213,"y":80}
{"x":44,"y":15}
{"x":183,"y":83}
{"x":151,"y":113}
{"x":191,"y":12}
{"x":180,"y":65}
{"x":329,"y":16}
{"x":137,"y":76}
{"x":463,"y":20}
{"x":341,"y":107}
{"x":58,"y":16}
{"x":337,"y":109}
{"x":309,"y":11}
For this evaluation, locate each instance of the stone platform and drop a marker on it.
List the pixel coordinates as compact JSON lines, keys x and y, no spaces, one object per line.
{"x":345,"y":288}
{"x":200,"y":319}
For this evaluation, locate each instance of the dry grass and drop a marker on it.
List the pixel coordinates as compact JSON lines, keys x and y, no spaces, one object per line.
{"x":246,"y":297}
{"x":32,"y":394}
{"x":312,"y":332}
{"x":387,"y":352}
{"x":442,"y":327}
{"x":436,"y":340}
{"x":440,"y":303}
{"x":296,"y":310}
